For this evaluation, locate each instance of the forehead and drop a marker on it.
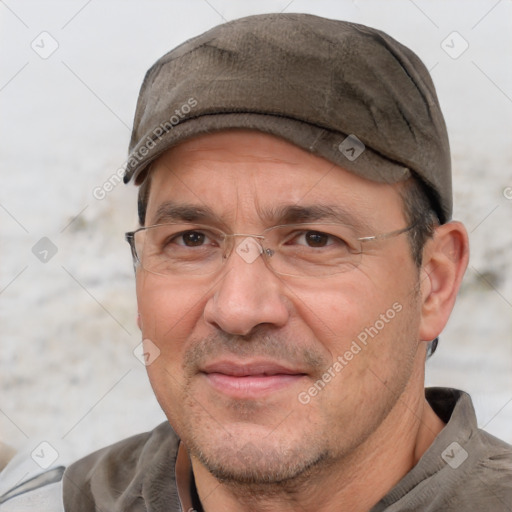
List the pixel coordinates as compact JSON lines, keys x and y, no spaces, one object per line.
{"x":239,"y":173}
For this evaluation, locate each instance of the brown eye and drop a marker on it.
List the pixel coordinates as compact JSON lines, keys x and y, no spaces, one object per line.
{"x":316,"y":239}
{"x":193,"y":238}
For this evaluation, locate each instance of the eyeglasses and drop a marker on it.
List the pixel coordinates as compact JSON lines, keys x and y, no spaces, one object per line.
{"x":308,"y":250}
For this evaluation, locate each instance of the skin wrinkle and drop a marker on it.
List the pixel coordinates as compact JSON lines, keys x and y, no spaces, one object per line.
{"x":169,"y":212}
{"x":274,"y":453}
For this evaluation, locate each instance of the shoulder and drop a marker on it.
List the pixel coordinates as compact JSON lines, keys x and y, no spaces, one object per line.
{"x":100,"y":477}
{"x":25,"y":486}
{"x":128,"y":455}
{"x":42,"y":493}
{"x":474,"y":469}
{"x":492,"y":464}
{"x":481,"y":449}
{"x":477,"y":475}
{"x":113,"y":477}
{"x":465,"y":468}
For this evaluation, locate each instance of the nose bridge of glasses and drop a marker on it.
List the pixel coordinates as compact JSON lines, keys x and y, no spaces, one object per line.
{"x":247,"y":246}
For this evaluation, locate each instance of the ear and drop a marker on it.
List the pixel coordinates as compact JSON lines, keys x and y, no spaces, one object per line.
{"x":445,"y":259}
{"x":139,"y":321}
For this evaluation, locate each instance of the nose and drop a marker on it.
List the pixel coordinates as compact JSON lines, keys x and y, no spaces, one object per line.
{"x":248,"y":294}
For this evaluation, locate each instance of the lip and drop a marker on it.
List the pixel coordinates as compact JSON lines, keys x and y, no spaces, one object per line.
{"x":250,"y":379}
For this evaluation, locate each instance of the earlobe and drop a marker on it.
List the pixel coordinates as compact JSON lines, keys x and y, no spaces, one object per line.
{"x":139,"y":321}
{"x":445,"y":261}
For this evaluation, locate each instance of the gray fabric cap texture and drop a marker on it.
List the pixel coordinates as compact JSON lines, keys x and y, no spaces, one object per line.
{"x":343,"y":91}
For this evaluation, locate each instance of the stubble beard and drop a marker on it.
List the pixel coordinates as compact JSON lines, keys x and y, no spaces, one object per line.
{"x":262,"y":448}
{"x":273,"y":462}
{"x":252,"y":468}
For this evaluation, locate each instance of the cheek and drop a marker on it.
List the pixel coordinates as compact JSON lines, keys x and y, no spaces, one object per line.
{"x":339,"y":311}
{"x":360,"y":317}
{"x":168,"y":316}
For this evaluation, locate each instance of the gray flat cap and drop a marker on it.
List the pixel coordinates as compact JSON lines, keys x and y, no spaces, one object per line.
{"x":343,"y":91}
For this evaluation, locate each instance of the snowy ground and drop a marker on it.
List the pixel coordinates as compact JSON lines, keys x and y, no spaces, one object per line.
{"x":68,"y":329}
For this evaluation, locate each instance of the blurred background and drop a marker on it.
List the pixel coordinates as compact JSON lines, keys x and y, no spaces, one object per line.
{"x":69,"y":78}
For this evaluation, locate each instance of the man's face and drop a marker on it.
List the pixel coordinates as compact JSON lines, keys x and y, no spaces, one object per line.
{"x":264,"y":376}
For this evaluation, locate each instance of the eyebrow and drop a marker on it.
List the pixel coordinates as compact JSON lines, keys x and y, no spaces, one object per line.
{"x":296,"y":214}
{"x":169,"y":211}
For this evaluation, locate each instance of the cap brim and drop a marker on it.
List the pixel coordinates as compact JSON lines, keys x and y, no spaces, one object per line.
{"x":344,"y":150}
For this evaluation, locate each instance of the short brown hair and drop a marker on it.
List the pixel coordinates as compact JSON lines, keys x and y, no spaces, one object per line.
{"x":419,"y":211}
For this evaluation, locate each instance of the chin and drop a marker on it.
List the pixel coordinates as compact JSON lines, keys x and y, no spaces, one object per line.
{"x":252,"y":455}
{"x":261,"y":463}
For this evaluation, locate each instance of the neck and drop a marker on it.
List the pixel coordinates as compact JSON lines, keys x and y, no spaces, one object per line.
{"x":354,"y":483}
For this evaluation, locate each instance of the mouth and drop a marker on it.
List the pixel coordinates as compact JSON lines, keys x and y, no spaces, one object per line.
{"x":250,"y":380}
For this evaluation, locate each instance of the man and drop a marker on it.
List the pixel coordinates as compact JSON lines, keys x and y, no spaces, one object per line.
{"x":295,"y":265}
